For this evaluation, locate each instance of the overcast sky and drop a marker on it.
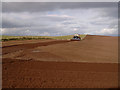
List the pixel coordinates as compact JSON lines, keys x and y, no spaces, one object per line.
{"x":60,"y":18}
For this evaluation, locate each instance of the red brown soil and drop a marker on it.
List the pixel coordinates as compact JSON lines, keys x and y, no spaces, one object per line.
{"x":91,"y":63}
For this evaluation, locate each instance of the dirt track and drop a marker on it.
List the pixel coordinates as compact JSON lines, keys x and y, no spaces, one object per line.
{"x":91,"y":63}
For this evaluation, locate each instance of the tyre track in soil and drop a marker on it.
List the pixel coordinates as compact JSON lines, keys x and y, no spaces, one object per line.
{"x":14,"y":48}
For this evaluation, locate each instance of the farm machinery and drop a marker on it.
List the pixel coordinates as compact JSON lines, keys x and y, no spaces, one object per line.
{"x":76,"y":37}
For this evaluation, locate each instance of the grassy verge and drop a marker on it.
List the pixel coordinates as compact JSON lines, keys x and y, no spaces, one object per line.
{"x":9,"y":38}
{"x":68,"y":37}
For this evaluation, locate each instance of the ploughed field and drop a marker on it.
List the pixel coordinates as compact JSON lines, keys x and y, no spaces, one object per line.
{"x":90,"y":63}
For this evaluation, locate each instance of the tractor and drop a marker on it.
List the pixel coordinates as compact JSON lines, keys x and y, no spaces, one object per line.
{"x":76,"y":37}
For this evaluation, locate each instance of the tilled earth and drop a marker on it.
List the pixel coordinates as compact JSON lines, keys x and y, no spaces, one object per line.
{"x":90,"y":63}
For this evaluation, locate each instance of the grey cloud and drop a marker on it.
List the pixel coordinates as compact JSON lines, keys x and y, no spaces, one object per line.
{"x":7,"y":23}
{"x":49,"y":6}
{"x":111,"y":12}
{"x":16,"y":20}
{"x":59,"y":18}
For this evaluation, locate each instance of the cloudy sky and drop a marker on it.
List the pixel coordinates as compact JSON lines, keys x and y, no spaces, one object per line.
{"x":59,"y":18}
